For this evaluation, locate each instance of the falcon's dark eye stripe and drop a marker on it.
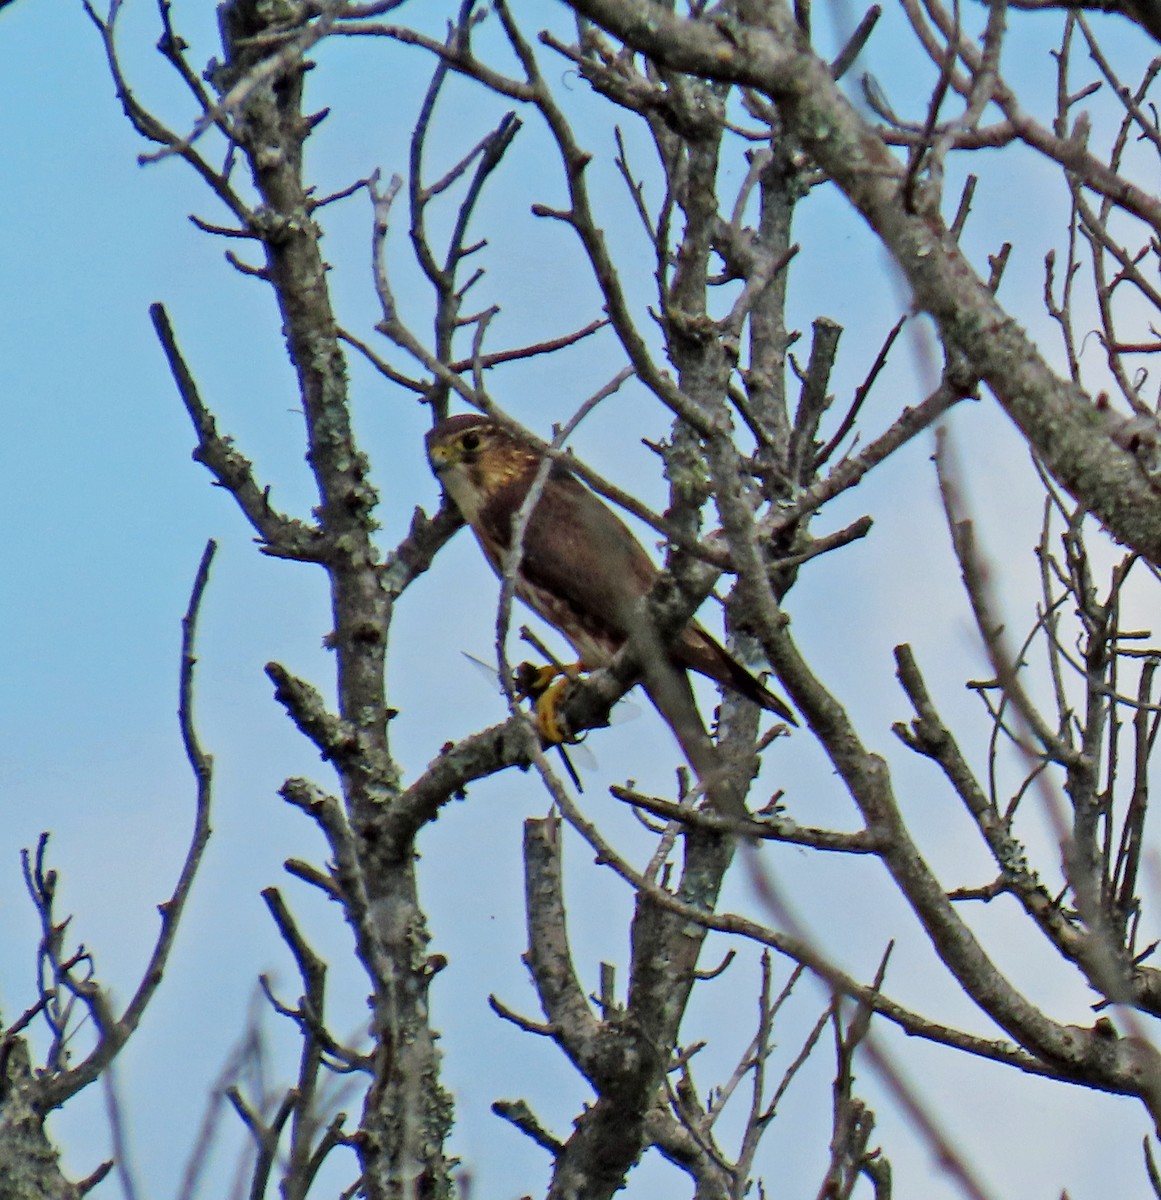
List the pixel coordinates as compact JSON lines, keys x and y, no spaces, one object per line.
{"x":470,"y":441}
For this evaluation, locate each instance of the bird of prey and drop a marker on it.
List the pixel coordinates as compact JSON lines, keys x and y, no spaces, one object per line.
{"x":581,"y":568}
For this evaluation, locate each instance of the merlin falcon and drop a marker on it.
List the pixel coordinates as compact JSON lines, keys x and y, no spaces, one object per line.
{"x":581,"y":568}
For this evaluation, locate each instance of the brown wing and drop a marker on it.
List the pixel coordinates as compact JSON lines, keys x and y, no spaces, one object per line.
{"x":585,"y":572}
{"x":583,"y":569}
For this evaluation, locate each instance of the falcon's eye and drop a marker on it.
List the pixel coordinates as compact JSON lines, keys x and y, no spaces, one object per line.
{"x":470,"y":441}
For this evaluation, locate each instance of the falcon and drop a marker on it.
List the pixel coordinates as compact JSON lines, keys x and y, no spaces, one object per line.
{"x":581,"y":568}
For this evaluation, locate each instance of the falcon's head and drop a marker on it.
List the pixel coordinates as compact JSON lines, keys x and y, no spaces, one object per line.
{"x":475,"y":459}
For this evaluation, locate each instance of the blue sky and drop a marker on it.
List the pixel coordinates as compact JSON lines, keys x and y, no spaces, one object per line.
{"x":107,"y":516}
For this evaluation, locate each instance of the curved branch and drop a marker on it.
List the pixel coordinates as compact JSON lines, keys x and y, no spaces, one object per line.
{"x":56,"y":1089}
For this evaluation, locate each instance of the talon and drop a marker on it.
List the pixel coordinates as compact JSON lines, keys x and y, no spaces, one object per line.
{"x":548,"y":723}
{"x":537,"y":684}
